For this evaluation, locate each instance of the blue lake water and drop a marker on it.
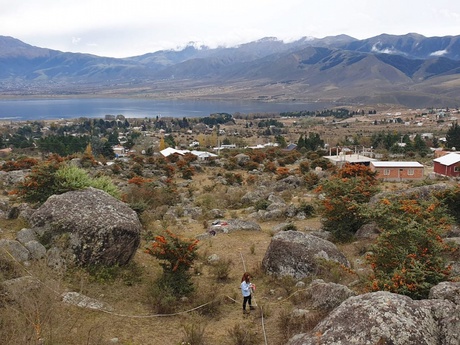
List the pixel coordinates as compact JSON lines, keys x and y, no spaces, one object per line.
{"x":48,"y":109}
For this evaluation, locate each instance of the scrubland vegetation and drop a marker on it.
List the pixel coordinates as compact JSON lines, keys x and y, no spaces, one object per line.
{"x":179,"y":290}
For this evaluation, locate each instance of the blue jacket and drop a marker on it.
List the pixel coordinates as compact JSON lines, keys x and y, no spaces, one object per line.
{"x":245,"y":288}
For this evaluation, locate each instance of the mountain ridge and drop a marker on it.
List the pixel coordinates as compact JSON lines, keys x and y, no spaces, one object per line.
{"x":331,"y":68}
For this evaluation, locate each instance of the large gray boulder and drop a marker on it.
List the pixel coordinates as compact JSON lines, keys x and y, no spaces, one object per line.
{"x":89,"y":226}
{"x":289,"y":183}
{"x":326,"y":296}
{"x":14,"y":249}
{"x":386,"y":318}
{"x":292,"y":253}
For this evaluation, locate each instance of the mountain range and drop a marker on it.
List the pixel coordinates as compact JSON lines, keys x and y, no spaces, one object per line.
{"x":410,"y":70}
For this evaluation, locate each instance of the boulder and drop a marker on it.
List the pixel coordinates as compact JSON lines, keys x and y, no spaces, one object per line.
{"x":368,"y":231}
{"x":454,"y":231}
{"x":386,"y":318}
{"x":16,"y":288}
{"x":292,"y":253}
{"x":89,"y":226}
{"x":12,"y":178}
{"x":326,"y":296}
{"x":280,"y":227}
{"x":423,"y":192}
{"x":242,"y":159}
{"x":288,"y":183}
{"x":231,"y":225}
{"x":82,"y":301}
{"x":273,"y":198}
{"x":273,"y":214}
{"x":26,"y":235}
{"x":36,"y":249}
{"x":15,"y":249}
{"x":254,"y":196}
{"x":446,"y":290}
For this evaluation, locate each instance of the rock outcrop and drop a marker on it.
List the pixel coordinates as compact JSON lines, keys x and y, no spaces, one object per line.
{"x":292,"y":253}
{"x":89,"y":227}
{"x":423,"y":192}
{"x":386,"y":318}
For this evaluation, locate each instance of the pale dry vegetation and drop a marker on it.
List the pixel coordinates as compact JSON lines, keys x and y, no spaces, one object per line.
{"x":39,"y":316}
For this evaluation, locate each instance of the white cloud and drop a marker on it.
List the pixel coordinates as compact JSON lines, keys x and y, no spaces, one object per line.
{"x":126,"y":28}
{"x":375,"y":48}
{"x":439,"y":53}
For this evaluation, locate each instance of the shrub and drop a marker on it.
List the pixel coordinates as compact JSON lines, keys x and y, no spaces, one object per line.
{"x":221,"y":269}
{"x":290,"y":325}
{"x":451,"y":199}
{"x":161,"y":297}
{"x":194,"y":333}
{"x":70,"y":178}
{"x":233,"y":178}
{"x":290,"y":226}
{"x":55,"y":177}
{"x":311,"y":180}
{"x":343,"y":195}
{"x":409,"y":261}
{"x":282,"y":173}
{"x":410,"y":255}
{"x":243,"y":334}
{"x":308,"y":209}
{"x":176,"y":255}
{"x":304,"y":167}
{"x":142,"y":195}
{"x":261,"y":204}
{"x":19,"y":164}
{"x":40,"y":183}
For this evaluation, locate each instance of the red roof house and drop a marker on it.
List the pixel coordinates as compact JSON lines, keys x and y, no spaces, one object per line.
{"x":447,"y":165}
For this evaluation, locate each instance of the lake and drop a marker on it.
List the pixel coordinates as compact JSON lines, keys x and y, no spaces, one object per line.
{"x":49,"y":109}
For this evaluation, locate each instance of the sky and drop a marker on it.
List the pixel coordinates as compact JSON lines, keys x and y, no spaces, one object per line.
{"x":123,"y":28}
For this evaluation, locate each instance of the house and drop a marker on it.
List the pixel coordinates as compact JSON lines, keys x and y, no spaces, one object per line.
{"x":201,"y":155}
{"x":119,"y":151}
{"x":398,"y":171}
{"x":342,"y":159}
{"x":290,"y":147}
{"x":447,"y":165}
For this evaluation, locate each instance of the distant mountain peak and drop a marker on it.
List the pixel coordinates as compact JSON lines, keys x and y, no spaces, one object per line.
{"x":268,"y":39}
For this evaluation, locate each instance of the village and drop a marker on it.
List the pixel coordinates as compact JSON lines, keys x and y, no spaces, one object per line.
{"x":343,"y":140}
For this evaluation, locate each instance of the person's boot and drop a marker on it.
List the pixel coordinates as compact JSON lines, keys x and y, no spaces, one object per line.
{"x":251,"y":307}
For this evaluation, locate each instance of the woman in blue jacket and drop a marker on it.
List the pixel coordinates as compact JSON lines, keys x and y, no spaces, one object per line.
{"x":246,"y":287}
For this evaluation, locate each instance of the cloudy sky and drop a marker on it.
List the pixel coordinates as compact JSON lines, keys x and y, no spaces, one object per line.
{"x":122,"y":28}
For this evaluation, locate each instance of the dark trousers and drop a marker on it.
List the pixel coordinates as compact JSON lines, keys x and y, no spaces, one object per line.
{"x":246,"y":299}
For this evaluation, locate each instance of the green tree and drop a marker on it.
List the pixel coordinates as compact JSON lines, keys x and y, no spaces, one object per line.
{"x":341,"y":198}
{"x":453,"y":136}
{"x":420,"y":145}
{"x":281,"y":141}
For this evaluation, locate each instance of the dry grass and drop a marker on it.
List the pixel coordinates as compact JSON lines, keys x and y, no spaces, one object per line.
{"x":132,"y":320}
{"x":42,"y":315}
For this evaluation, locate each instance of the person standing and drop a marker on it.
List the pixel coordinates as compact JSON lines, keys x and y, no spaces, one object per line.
{"x":246,"y":287}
